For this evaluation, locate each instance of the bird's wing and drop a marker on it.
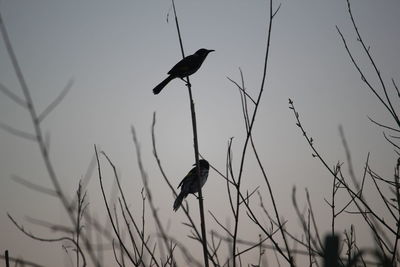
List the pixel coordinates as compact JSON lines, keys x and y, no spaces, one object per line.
{"x":188,"y":64}
{"x":191,"y":173}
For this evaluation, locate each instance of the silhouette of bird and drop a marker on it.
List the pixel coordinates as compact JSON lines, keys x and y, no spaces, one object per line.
{"x":184,"y":68}
{"x":190,"y":184}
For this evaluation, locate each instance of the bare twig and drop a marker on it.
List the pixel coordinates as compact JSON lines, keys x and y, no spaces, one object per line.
{"x":56,"y":101}
{"x":148,"y":192}
{"x":272,"y":13}
{"x":242,"y":90}
{"x":39,"y":137}
{"x":383,"y":125}
{"x":21,"y":261}
{"x":125,"y":205}
{"x":33,"y":186}
{"x":372,"y":61}
{"x":109,"y":210}
{"x":18,"y":100}
{"x":333,"y":173}
{"x":64,"y":238}
{"x":16,"y":132}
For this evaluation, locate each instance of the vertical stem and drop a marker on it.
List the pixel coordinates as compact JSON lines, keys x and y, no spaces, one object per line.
{"x":196,"y":148}
{"x":196,"y":153}
{"x":7,"y":259}
{"x":333,"y":206}
{"x":239,"y":196}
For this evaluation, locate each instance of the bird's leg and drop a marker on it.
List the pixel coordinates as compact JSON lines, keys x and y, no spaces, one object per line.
{"x":186,"y":82}
{"x":196,"y":195}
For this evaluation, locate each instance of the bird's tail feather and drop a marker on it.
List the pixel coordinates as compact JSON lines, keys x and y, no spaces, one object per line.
{"x":178,"y":201}
{"x":159,"y":87}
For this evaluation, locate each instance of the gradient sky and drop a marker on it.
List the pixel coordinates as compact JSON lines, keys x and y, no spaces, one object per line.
{"x":117,"y":51}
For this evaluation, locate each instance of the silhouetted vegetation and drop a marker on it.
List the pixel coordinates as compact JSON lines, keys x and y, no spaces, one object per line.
{"x":133,"y":245}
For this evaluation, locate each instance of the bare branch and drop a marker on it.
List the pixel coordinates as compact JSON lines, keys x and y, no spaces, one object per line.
{"x":148,"y":191}
{"x":241,"y":89}
{"x":22,"y":262}
{"x":12,"y":96}
{"x":18,"y":133}
{"x":390,"y":141}
{"x":383,"y":126}
{"x":56,"y":101}
{"x":64,"y":238}
{"x":39,"y":135}
{"x":372,"y":61}
{"x":220,"y":224}
{"x":108,"y":208}
{"x":363,"y":78}
{"x":52,"y":226}
{"x":35,"y":187}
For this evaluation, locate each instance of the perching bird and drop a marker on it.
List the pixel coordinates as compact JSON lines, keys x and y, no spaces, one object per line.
{"x":184,"y":68}
{"x":190,"y":184}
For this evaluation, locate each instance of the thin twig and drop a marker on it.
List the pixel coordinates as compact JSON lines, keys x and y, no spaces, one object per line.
{"x":242,"y":90}
{"x":18,"y":133}
{"x":56,"y":101}
{"x":21,"y":261}
{"x":332,"y":172}
{"x":372,"y":61}
{"x":141,"y":234}
{"x":383,"y":125}
{"x":63,"y":238}
{"x":108,"y":208}
{"x":272,"y":13}
{"x":148,"y":191}
{"x":33,"y":186}
{"x":18,"y":100}
{"x":40,"y":137}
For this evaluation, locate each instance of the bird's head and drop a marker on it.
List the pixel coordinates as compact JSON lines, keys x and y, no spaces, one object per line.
{"x":203,"y":164}
{"x":203,"y":52}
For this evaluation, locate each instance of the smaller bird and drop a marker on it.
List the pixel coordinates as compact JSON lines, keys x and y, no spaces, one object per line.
{"x":190,"y":184}
{"x":184,"y":68}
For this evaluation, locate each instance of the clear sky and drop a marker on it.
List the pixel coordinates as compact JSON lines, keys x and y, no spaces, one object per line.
{"x":117,"y":51}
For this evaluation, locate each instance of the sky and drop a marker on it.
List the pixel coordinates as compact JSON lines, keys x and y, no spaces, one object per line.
{"x":115,"y":52}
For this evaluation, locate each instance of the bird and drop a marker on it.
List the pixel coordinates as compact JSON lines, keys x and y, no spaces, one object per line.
{"x":186,"y":67}
{"x":190,"y":184}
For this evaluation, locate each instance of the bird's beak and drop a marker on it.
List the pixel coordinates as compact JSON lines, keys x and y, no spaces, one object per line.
{"x":211,"y":50}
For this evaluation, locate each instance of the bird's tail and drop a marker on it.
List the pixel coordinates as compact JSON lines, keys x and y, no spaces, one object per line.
{"x":178,"y":200}
{"x":159,"y":87}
